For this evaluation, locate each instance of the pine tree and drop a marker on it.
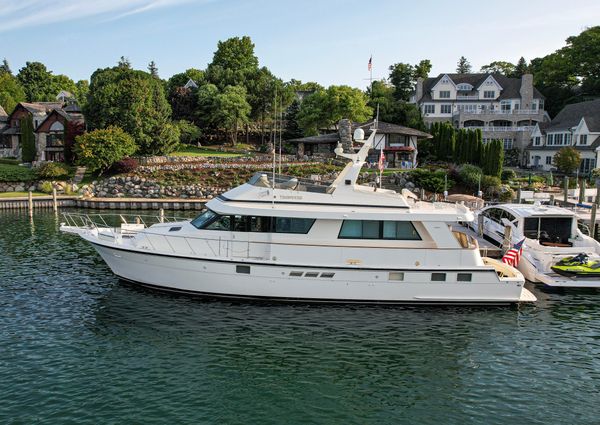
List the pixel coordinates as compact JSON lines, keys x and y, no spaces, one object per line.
{"x":521,"y":68}
{"x":5,"y":68}
{"x":463,"y":66}
{"x":152,"y":69}
{"x":27,"y":139}
{"x":124,"y":63}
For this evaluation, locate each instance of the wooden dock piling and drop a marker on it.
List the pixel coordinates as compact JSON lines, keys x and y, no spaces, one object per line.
{"x":30,"y":203}
{"x":54,"y":200}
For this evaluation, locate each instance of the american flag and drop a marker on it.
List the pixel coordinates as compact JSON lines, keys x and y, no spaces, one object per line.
{"x":513,"y":255}
{"x":370,"y":63}
{"x":381,"y":160}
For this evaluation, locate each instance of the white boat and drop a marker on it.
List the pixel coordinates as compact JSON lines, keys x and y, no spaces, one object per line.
{"x":551,"y":234}
{"x":279,"y":238}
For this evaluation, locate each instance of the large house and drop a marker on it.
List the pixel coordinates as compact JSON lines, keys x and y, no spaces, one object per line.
{"x":398,"y":143}
{"x":503,"y":108}
{"x":576,"y":125}
{"x":49,"y":121}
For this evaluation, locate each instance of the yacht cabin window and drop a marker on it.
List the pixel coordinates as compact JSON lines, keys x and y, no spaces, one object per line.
{"x":550,"y":231}
{"x":210,"y":220}
{"x":373,"y":229}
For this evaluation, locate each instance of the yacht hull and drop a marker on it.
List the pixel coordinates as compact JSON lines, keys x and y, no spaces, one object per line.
{"x":244,"y":280}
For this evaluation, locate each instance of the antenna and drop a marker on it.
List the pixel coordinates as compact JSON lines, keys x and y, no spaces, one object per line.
{"x":280,"y":130}
{"x":273,"y":145}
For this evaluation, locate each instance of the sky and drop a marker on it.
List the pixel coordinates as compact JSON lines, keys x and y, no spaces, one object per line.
{"x":327,"y":41}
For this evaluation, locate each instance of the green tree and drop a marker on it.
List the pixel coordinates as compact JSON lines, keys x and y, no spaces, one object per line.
{"x":37,"y":82}
{"x":233,"y":63}
{"x":11,"y":92}
{"x":62,"y":82}
{"x":567,"y":160}
{"x":135,"y":102}
{"x":402,"y":76}
{"x":5,"y":68}
{"x":232,"y":110}
{"x":499,"y":67}
{"x":422,"y":69}
{"x":180,"y":80}
{"x":99,"y":149}
{"x":463,"y":66}
{"x":521,"y":68}
{"x":292,"y":128}
{"x":82,"y":88}
{"x":152,"y":69}
{"x":28,"y":151}
{"x":188,"y":132}
{"x":124,"y":63}
{"x":207,"y":106}
{"x":583,"y":51}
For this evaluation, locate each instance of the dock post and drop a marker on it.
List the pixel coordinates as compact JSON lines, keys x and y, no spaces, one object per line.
{"x":54,"y":200}
{"x":162,"y":215}
{"x":519,"y":195}
{"x":566,"y":190}
{"x":30,"y":203}
{"x":593,"y":221}
{"x":480,"y":225}
{"x":551,"y":199}
{"x":422,"y":194}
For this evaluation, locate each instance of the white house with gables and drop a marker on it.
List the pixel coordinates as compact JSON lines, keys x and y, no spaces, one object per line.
{"x":576,"y":125}
{"x":503,"y":108}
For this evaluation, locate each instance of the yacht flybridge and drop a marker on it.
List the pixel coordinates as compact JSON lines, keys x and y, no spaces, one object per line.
{"x":281,"y":238}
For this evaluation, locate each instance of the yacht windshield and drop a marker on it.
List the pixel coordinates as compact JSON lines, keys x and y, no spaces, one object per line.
{"x":549,"y":230}
{"x":203,"y":218}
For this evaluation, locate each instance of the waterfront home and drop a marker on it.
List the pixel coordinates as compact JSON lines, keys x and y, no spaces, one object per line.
{"x":40,"y":112}
{"x":576,"y":125}
{"x":503,"y":108}
{"x":399,"y":143}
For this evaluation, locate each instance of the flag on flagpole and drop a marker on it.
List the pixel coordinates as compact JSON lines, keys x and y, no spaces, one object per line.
{"x":381,"y":160}
{"x":513,"y":255}
{"x":370,"y":63}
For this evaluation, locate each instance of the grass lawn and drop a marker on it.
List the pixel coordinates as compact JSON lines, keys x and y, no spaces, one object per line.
{"x":15,"y":173}
{"x":196,"y":151}
{"x":20,"y":194}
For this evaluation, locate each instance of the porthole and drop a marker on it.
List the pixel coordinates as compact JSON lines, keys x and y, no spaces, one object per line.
{"x":438,"y":277}
{"x":464,"y":277}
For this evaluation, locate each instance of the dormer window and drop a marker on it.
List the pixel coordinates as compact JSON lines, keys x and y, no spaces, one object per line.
{"x":445,"y":80}
{"x":464,"y":87}
{"x":444,"y":94}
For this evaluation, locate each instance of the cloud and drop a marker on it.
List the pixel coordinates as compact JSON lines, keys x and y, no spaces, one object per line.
{"x":27,"y":13}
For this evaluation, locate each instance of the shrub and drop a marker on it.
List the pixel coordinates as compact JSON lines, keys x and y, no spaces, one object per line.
{"x":12,"y":161}
{"x":508,"y":175}
{"x":490,"y":182}
{"x":470,"y":175}
{"x":188,"y":132}
{"x":506,"y":194}
{"x":435,"y":183}
{"x":99,"y":149}
{"x":52,"y":170}
{"x":124,"y":166}
{"x":46,"y":187}
{"x":15,"y":173}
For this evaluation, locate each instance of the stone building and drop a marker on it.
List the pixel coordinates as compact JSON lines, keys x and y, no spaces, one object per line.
{"x":503,"y":108}
{"x":576,"y":125}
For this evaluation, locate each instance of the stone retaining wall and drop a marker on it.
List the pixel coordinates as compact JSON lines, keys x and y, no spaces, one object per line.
{"x":141,"y":187}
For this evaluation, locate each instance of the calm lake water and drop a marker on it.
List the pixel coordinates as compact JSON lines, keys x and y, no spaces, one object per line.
{"x":78,"y":346}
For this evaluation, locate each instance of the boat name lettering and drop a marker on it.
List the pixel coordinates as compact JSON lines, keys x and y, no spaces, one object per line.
{"x":291,"y":197}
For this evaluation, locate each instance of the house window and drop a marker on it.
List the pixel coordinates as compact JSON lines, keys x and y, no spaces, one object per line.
{"x":537,"y":141}
{"x":465,"y":87}
{"x":587,"y":165}
{"x":541,"y":104}
{"x":445,"y":94}
{"x":5,"y":142}
{"x":396,"y":140}
{"x":505,"y":106}
{"x":54,"y":140}
{"x":489,"y":94}
{"x":548,"y":160}
{"x":583,"y":139}
{"x":550,"y":139}
{"x":534,"y":106}
{"x":446,"y":109}
{"x":508,"y":143}
{"x":429,"y":109}
{"x":567,"y":138}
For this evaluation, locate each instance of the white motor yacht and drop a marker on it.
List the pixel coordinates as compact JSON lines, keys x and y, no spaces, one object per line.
{"x":280,"y":238}
{"x":555,"y":251}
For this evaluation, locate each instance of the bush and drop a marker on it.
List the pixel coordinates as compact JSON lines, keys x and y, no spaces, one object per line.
{"x":470,"y":175}
{"x":490,"y":182}
{"x":15,"y":173}
{"x":99,"y":149}
{"x":508,"y":175}
{"x":52,"y":170}
{"x":506,"y":194}
{"x":12,"y":161}
{"x":124,"y":166}
{"x":188,"y":132}
{"x":46,"y":187}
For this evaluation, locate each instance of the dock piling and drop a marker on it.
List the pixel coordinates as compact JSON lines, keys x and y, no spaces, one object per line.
{"x":161,"y":215}
{"x":593,"y":221}
{"x":566,"y":189}
{"x":54,"y":200}
{"x":30,"y":203}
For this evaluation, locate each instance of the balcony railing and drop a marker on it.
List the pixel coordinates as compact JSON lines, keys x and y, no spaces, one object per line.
{"x":499,"y":112}
{"x":503,"y":128}
{"x":468,"y":97}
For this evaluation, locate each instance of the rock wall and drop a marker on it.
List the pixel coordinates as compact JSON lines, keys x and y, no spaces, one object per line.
{"x":141,"y":187}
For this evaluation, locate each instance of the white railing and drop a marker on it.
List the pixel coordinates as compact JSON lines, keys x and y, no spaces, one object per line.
{"x":467,"y":97}
{"x":503,"y":129}
{"x":499,"y":112}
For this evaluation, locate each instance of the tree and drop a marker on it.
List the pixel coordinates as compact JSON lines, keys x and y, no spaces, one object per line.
{"x":567,"y":160}
{"x":188,"y":132}
{"x":5,"y":68}
{"x":422,"y":69}
{"x":521,"y":68}
{"x":180,"y":80}
{"x":28,"y":151}
{"x":72,"y":130}
{"x":292,"y":128}
{"x":183,"y":104}
{"x":82,"y":88}
{"x":402,"y":78}
{"x":124,"y":63}
{"x":62,"y":82}
{"x":232,"y":110}
{"x":134,"y":101}
{"x":583,"y":52}
{"x":152,"y":69}
{"x":391,"y":110}
{"x":37,"y":82}
{"x":99,"y":149}
{"x":493,"y":158}
{"x":233,"y":63}
{"x":463,"y":66}
{"x":11,"y":92}
{"x":498,"y":67}
{"x":207,"y":106}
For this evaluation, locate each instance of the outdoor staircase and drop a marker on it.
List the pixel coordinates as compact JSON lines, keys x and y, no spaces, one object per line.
{"x":79,"y":173}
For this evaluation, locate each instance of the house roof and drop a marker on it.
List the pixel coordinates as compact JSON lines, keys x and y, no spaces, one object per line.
{"x":41,"y":107}
{"x":570,"y":116}
{"x":3,"y":112}
{"x":511,"y":87}
{"x":382,"y":127}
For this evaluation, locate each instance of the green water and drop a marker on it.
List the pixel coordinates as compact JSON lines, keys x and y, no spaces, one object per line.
{"x":78,"y":346}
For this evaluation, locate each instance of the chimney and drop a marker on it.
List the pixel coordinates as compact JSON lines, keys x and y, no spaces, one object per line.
{"x":526,"y":91}
{"x":345,"y":132}
{"x":419,"y":89}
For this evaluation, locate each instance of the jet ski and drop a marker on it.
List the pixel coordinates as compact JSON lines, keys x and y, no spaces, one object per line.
{"x":577,"y":266}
